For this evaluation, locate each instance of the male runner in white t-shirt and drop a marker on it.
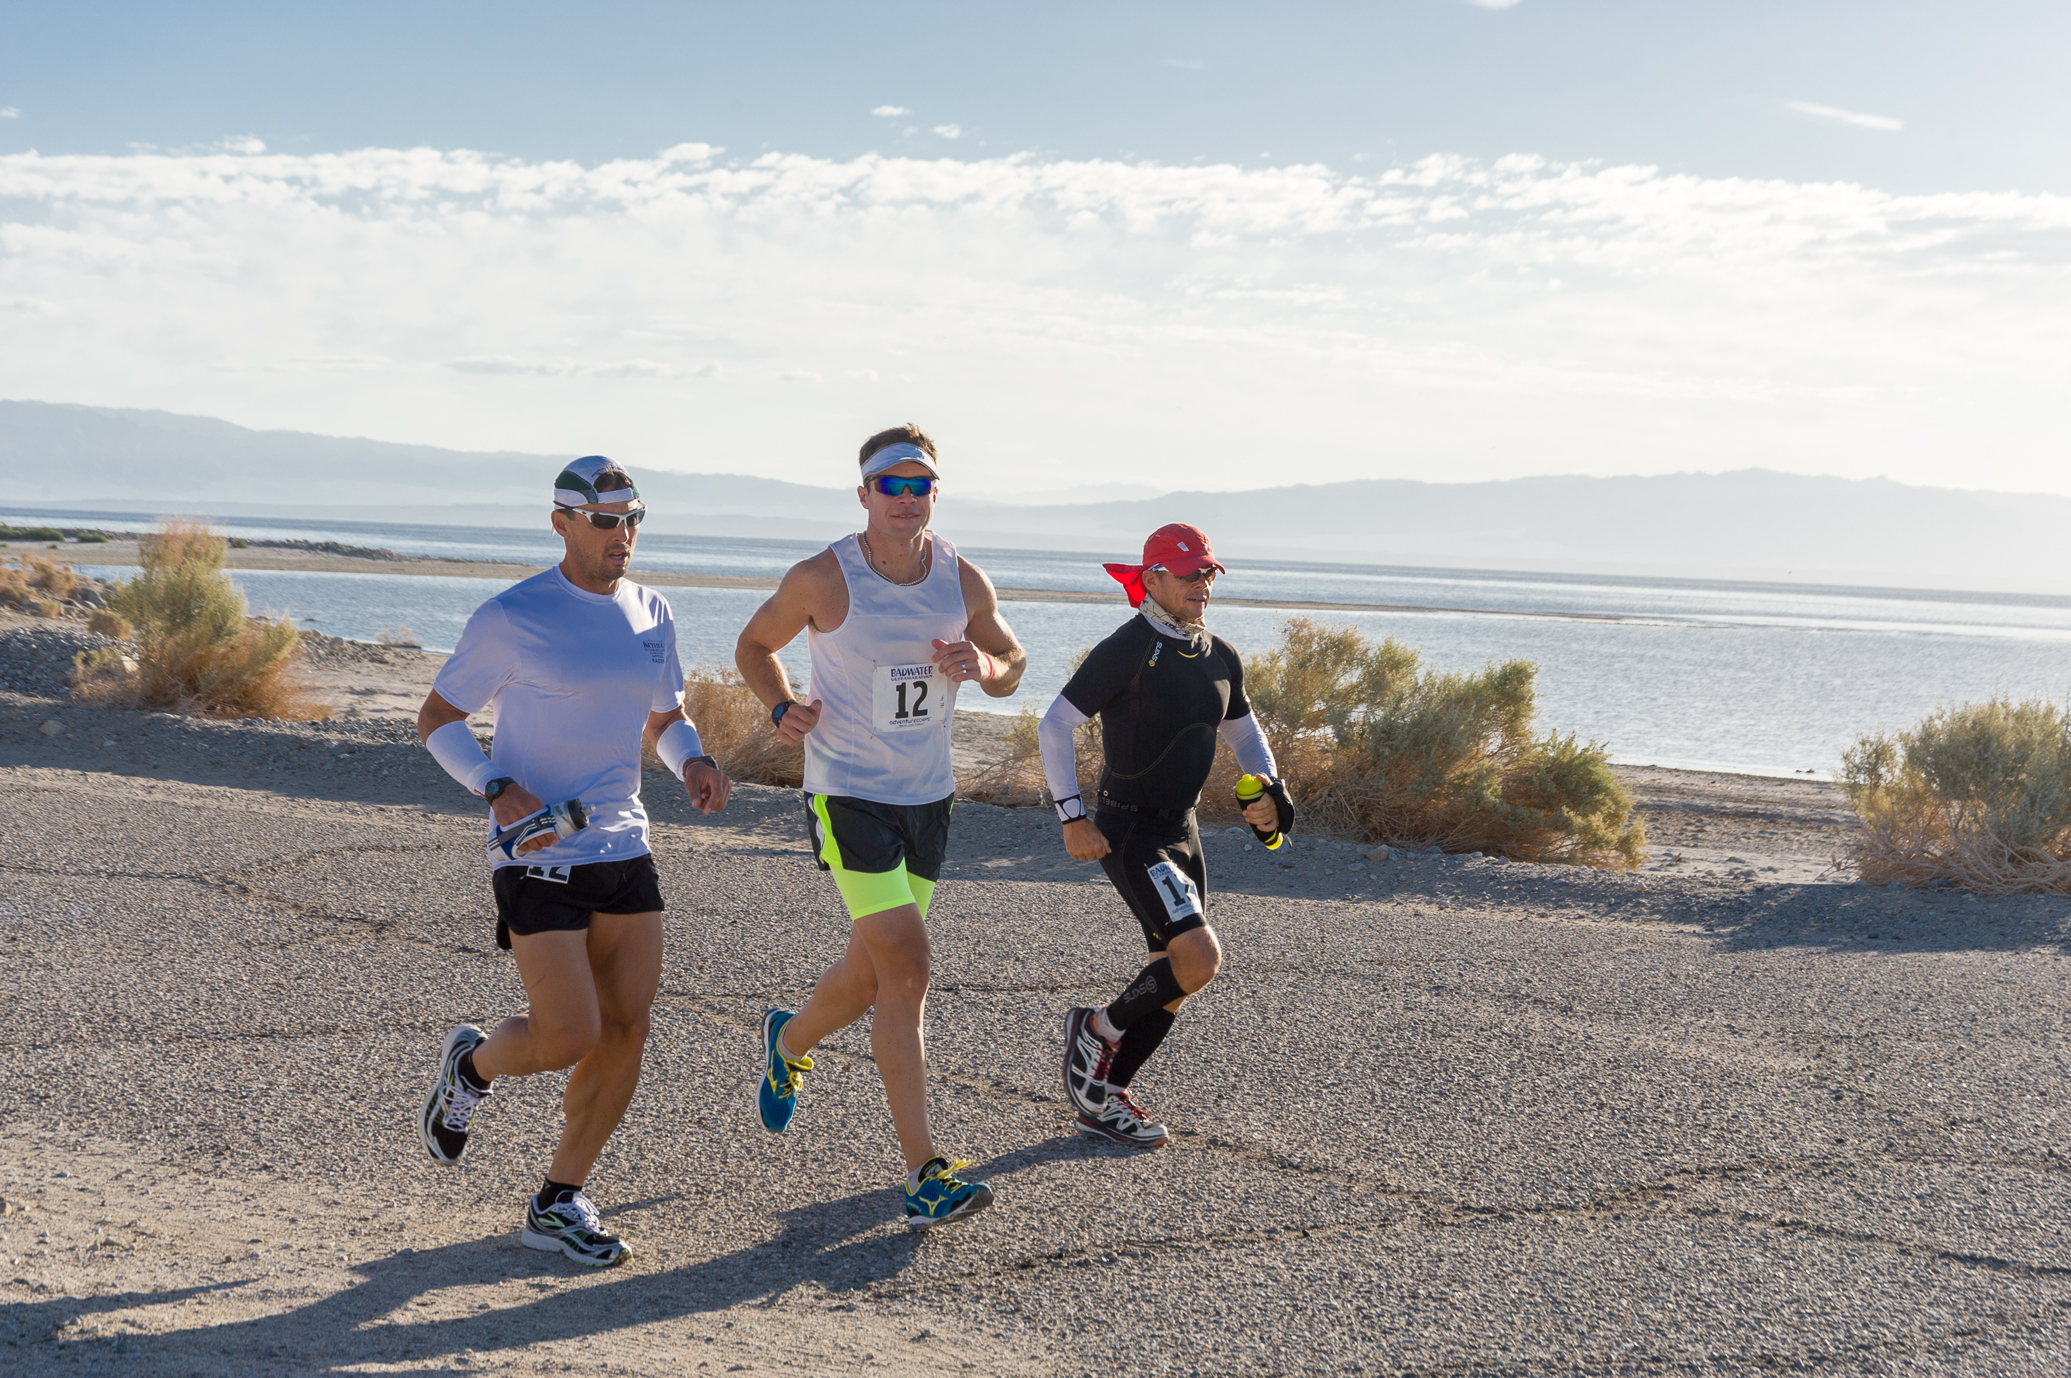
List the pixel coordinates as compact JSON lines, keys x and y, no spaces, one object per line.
{"x":895,"y":621}
{"x":580,"y":665}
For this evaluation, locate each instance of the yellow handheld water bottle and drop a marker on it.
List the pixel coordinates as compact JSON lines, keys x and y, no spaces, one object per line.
{"x":1251,"y":789}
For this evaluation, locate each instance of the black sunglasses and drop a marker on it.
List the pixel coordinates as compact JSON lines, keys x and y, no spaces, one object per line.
{"x":609,"y":521}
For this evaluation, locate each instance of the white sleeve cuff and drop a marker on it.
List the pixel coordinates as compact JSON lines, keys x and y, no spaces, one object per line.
{"x":677,"y":744}
{"x":454,"y":747}
{"x":1248,"y":744}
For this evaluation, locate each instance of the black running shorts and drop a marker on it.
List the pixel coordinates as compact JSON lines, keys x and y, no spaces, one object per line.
{"x":549,"y":899}
{"x":1156,"y":864}
{"x":882,"y":856}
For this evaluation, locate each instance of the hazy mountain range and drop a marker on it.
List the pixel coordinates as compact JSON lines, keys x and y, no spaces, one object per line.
{"x":1749,"y":522}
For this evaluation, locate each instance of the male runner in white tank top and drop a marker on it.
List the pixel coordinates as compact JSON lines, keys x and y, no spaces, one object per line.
{"x":580,"y":664}
{"x":895,"y":621}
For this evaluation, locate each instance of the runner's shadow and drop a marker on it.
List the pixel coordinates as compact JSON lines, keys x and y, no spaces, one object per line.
{"x":841,"y":1245}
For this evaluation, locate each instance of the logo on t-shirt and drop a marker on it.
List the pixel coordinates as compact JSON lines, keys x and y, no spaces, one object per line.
{"x":654,"y":649}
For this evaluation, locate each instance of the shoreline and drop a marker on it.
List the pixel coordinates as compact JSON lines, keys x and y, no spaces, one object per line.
{"x":317,"y":562}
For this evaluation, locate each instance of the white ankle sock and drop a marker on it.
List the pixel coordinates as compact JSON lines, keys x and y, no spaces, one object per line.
{"x":1105,"y":1027}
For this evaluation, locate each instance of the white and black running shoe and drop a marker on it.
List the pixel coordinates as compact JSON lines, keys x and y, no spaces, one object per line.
{"x":571,"y":1226}
{"x":451,"y":1102}
{"x":1122,"y":1121}
{"x":1087,"y":1056}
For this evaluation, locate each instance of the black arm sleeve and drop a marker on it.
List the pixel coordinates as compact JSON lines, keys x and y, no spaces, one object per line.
{"x":1239,"y":705}
{"x":1106,"y":672}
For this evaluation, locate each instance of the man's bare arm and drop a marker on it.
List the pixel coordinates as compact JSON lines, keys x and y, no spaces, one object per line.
{"x":1003,"y":662}
{"x":811,"y":594}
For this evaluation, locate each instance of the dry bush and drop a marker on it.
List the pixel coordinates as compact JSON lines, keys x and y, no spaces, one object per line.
{"x":1977,"y":797}
{"x":197,"y":652}
{"x":736,"y":730}
{"x":402,"y":638}
{"x":1374,"y":746}
{"x":38,"y":585}
{"x":107,"y":622}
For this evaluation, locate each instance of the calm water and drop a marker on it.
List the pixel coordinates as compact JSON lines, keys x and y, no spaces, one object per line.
{"x":1772,"y":678}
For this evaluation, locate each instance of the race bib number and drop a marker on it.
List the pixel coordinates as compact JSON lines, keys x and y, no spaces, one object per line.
{"x":1176,"y":888}
{"x":907,"y":698}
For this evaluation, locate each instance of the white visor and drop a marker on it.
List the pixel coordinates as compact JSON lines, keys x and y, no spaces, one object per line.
{"x":893,"y":455}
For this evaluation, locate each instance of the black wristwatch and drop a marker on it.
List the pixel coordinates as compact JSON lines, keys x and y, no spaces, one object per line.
{"x":689,"y":761}
{"x":496,"y":787}
{"x":776,"y":715}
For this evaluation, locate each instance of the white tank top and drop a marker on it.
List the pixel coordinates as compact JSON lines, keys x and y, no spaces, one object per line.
{"x":883,"y":733}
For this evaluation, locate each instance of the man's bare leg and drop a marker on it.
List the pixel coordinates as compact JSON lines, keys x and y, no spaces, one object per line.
{"x":887,"y":960}
{"x":625,"y":953}
{"x":592,"y":993}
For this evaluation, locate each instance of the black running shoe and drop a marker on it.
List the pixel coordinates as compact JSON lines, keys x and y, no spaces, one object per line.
{"x":451,"y":1102}
{"x":1087,"y":1056}
{"x":1122,"y":1121}
{"x":571,"y":1226}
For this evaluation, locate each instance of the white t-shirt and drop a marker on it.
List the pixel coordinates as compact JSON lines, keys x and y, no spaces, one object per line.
{"x":573,"y":676}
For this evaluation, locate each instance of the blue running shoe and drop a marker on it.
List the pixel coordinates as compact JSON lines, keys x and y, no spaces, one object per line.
{"x":778,"y":1095}
{"x":942,"y":1197}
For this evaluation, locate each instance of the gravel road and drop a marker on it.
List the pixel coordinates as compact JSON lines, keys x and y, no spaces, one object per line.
{"x":1439,"y":1116}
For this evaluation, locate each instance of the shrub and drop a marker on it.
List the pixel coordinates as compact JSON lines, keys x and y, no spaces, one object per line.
{"x":38,"y":585}
{"x":197,"y":652}
{"x":92,"y":538}
{"x":1977,"y":796}
{"x":400,"y":637}
{"x":31,"y":533}
{"x":108,"y":622}
{"x":736,"y":730}
{"x":1374,"y":746}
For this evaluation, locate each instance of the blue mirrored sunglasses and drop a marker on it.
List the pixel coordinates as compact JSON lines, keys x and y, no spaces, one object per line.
{"x":904,"y":486}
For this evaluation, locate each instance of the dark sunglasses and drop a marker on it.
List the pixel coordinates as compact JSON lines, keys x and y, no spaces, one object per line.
{"x":1204,"y":575}
{"x":609,"y":521}
{"x":916,"y":486}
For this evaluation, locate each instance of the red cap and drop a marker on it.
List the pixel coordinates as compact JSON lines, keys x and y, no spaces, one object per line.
{"x":1178,"y":548}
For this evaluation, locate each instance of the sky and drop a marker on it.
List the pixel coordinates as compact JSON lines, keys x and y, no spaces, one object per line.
{"x":1192,"y":245}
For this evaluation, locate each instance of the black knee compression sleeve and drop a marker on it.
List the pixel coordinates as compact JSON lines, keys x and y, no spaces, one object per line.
{"x":1139,"y":1041}
{"x":1154,"y":988}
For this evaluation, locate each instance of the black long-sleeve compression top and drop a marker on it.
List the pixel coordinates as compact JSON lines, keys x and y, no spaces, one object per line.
{"x":1159,"y":701}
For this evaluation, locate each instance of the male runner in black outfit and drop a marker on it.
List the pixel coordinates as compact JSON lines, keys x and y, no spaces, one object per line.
{"x":1164,"y":689}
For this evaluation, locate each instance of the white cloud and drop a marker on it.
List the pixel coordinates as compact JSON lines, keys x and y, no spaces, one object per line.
{"x":1883,"y":123}
{"x":9,"y":112}
{"x":1442,"y":318}
{"x":950,"y":131}
{"x":891,"y":111}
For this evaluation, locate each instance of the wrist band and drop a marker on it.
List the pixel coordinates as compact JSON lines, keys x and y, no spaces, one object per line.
{"x":1065,"y":806}
{"x":455,"y":748}
{"x":677,"y":744}
{"x":776,"y":715}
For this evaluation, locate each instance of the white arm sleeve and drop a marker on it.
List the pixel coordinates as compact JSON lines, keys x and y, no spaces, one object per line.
{"x":679,"y":742}
{"x":1060,"y":752}
{"x":1248,"y":744}
{"x":454,"y":747}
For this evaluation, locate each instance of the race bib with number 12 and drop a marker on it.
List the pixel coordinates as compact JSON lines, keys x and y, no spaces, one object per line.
{"x":907,"y":698}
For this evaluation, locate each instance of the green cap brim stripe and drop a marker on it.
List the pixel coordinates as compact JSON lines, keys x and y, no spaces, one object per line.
{"x":570,"y":481}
